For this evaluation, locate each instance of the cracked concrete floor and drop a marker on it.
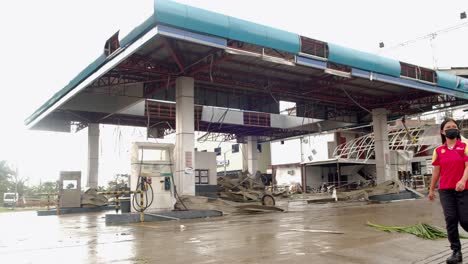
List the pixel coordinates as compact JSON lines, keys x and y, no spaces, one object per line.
{"x":260,"y":238}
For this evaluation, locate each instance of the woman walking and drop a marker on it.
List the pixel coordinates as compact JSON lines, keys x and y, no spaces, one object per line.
{"x":450,"y":161}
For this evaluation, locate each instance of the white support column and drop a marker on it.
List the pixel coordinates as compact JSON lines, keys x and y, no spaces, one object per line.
{"x":185,"y":137}
{"x":382,"y":152}
{"x":93,"y":156}
{"x":252,"y":155}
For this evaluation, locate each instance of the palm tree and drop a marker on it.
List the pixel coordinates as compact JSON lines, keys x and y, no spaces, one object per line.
{"x":7,"y":175}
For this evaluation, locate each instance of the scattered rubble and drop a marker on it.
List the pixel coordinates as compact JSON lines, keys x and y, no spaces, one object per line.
{"x":245,"y":189}
{"x":388,"y":187}
{"x":227,"y":207}
{"x":91,"y":198}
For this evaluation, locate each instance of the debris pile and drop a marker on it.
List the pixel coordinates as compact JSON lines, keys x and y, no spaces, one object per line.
{"x":388,"y":187}
{"x":187,"y":202}
{"x":91,"y":198}
{"x":244,"y":189}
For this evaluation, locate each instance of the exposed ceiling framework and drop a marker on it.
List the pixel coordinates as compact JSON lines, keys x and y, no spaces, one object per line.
{"x":234,"y":74}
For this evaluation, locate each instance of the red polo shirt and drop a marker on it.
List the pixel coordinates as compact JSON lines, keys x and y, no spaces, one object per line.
{"x":452,"y":164}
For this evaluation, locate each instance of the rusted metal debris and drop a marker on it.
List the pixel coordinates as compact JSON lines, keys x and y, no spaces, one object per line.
{"x":226,"y":207}
{"x":245,"y":189}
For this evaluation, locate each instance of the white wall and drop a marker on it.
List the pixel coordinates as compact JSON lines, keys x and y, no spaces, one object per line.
{"x":316,"y":147}
{"x":285,"y":178}
{"x":207,"y":161}
{"x":264,"y":158}
{"x":235,"y":159}
{"x":287,"y":153}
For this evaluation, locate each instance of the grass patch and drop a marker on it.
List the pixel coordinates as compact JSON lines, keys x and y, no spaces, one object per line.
{"x":5,"y":210}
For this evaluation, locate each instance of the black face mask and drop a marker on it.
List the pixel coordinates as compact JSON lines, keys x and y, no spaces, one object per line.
{"x":451,"y":133}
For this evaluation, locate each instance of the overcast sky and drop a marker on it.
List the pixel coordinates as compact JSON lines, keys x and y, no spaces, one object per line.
{"x":46,"y":43}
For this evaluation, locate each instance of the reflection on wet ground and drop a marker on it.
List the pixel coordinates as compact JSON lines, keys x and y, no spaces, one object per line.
{"x":260,"y":238}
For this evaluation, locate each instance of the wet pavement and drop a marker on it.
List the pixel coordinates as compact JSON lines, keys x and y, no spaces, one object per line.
{"x":260,"y":238}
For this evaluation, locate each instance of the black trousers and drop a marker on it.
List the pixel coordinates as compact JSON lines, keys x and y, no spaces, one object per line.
{"x":455,"y":205}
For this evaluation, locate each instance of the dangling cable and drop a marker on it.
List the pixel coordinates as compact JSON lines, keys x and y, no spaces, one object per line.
{"x":141,"y":186}
{"x":176,"y":194}
{"x":211,"y":69}
{"x":354,"y":101}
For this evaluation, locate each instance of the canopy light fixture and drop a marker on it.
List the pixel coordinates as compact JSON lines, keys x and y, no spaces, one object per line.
{"x":242,"y":52}
{"x":338,"y":73}
{"x":277,"y":60}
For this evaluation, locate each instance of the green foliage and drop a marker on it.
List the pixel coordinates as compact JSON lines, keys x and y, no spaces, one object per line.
{"x":7,"y":181}
{"x":6,"y":175}
{"x":121,"y":181}
{"x":45,"y":187}
{"x":48,"y":187}
{"x":21,"y":186}
{"x":421,"y":230}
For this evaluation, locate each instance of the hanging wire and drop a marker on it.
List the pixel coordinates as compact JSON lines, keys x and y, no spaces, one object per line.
{"x":211,"y":69}
{"x":148,"y":119}
{"x":429,"y":35}
{"x":354,"y":101}
{"x":431,"y":42}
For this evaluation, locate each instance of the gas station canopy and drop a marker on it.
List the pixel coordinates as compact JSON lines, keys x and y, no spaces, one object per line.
{"x":241,"y":71}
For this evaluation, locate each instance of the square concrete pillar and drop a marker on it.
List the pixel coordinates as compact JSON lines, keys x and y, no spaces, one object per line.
{"x":382,"y":152}
{"x":252,"y":155}
{"x":93,"y":156}
{"x":185,"y":137}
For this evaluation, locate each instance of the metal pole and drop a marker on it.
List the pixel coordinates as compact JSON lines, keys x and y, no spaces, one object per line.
{"x":224,"y":164}
{"x":304,"y":178}
{"x":58,"y":204}
{"x":16,"y":186}
{"x":142,"y":213}
{"x":339,"y":173}
{"x":117,"y":204}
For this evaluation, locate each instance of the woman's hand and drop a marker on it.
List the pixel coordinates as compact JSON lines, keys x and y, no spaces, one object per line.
{"x":431,"y":196}
{"x":460,"y":185}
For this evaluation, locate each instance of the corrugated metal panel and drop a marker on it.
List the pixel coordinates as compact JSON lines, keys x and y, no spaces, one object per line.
{"x":363,"y":60}
{"x":222,"y":115}
{"x":288,"y":122}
